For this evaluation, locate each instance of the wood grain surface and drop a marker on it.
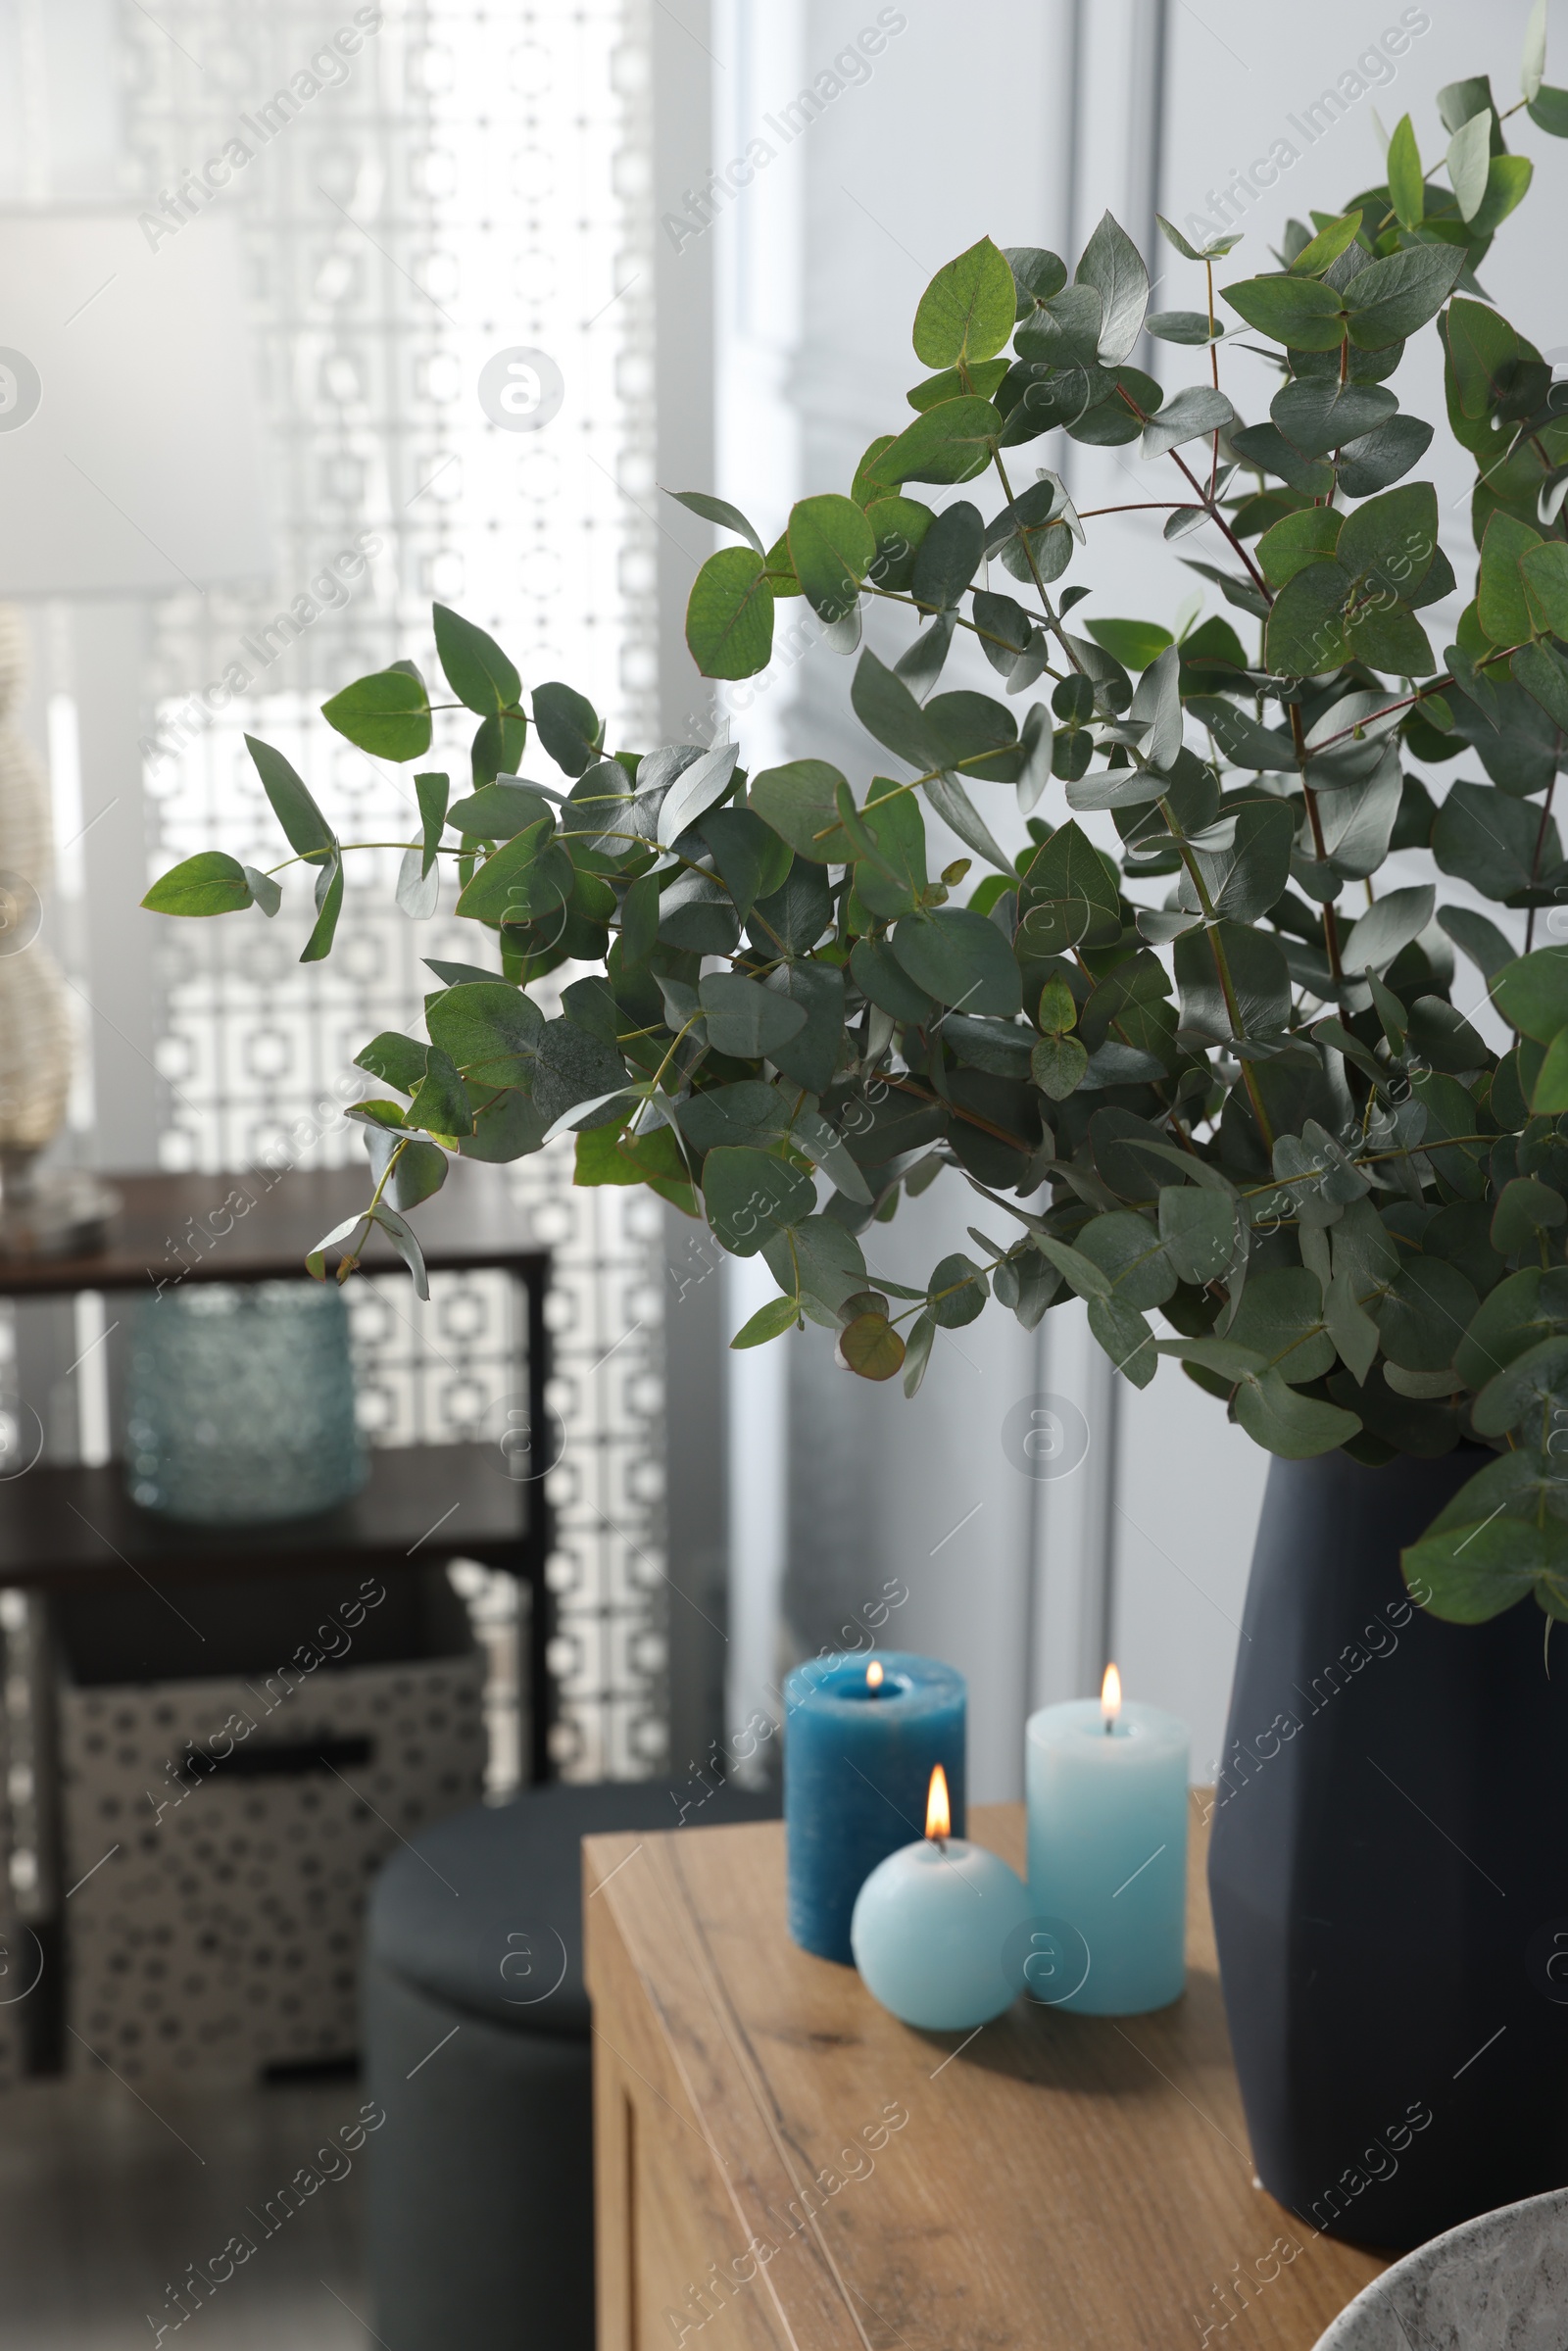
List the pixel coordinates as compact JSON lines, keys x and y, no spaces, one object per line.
{"x":781,"y":2163}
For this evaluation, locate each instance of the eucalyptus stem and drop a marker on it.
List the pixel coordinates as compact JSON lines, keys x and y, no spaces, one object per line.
{"x":1222,"y":970}
{"x":1330,"y":925}
{"x":1052,"y":620}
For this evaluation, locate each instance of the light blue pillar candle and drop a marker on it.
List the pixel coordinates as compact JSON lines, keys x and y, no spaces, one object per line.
{"x":1107,"y":1855}
{"x":937,"y":1931}
{"x":860,"y":1738}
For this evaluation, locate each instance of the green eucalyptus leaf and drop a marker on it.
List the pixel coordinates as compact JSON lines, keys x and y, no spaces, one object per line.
{"x":1058,"y":1065}
{"x":328,"y":906}
{"x":1319,"y":412}
{"x":1544,"y":674}
{"x":441,"y":1103}
{"x":1296,"y":310}
{"x":1374,"y":459}
{"x":307,"y":830}
{"x":1529,"y":1394}
{"x":719,"y":511}
{"x":878,"y":973}
{"x":1257,"y":972}
{"x":1486,"y":946}
{"x":748,"y":854}
{"x":800,"y":802}
{"x":957,"y":1294}
{"x":1532,"y":993}
{"x":489,"y":1031}
{"x":1485,"y":1550}
{"x":819,"y":1257}
{"x":1469,"y":155}
{"x":751,"y":1195}
{"x":1389,"y":299}
{"x":387,"y":715}
{"x":961,"y":958}
{"x":432,"y":792}
{"x":210,"y":883}
{"x":1067,"y":897}
{"x":949,"y":556}
{"x":1502,"y":607}
{"x":1126,"y":1338}
{"x":499,"y":812}
{"x":1186,"y":414}
{"x":265,"y":893}
{"x":1406,"y":180}
{"x":1281,"y":1319}
{"x":1424,"y":1314}
{"x":780,"y":1314}
{"x":967,"y":311}
{"x":1112,"y":265}
{"x":729,"y":616}
{"x":1525,"y":1209}
{"x":1353,"y":1332}
{"x":404,"y":1240}
{"x":811,"y":1057}
{"x":1198,"y":1229}
{"x":474,"y":664}
{"x":1388,"y":926}
{"x":832,"y":547}
{"x":744,"y":1020}
{"x":952,"y":442}
{"x":1281,"y":1419}
{"x":1494,"y":841}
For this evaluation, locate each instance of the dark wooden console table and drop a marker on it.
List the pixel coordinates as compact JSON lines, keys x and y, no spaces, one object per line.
{"x":69,"y":1527}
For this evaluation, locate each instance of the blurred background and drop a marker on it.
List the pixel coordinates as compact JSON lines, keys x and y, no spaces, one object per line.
{"x":339,"y":309}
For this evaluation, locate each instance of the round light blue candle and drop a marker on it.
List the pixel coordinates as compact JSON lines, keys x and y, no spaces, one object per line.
{"x":936,"y":1932}
{"x":1107,"y":1853}
{"x":857,"y":1763}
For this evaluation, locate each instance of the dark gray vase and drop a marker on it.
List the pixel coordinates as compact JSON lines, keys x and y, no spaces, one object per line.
{"x":1389,"y":1870}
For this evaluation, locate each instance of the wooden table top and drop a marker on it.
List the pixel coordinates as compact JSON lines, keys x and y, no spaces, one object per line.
{"x":1052,"y":2180}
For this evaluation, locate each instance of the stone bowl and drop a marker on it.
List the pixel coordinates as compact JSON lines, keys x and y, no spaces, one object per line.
{"x":1499,"y":2282}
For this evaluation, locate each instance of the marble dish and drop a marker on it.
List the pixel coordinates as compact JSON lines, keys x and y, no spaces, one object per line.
{"x":1499,"y":2282}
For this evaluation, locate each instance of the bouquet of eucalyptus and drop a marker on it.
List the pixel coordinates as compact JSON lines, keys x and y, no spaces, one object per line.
{"x":1221,"y":1076}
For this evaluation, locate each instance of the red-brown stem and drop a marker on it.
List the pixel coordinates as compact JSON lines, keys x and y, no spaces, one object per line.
{"x":1331,"y":927}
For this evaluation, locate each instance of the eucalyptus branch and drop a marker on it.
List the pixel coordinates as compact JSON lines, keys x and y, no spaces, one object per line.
{"x":975,"y":323}
{"x":1211,"y":509}
{"x":989,"y":635}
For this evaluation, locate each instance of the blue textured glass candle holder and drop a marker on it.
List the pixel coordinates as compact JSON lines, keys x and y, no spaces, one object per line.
{"x":241,"y":1404}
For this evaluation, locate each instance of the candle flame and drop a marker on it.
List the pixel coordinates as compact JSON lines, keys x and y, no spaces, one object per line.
{"x":938,"y":1813}
{"x":874,"y":1674}
{"x":1110,"y":1696}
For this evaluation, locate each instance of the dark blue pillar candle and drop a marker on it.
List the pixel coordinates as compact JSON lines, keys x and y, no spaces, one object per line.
{"x":857,"y":1763}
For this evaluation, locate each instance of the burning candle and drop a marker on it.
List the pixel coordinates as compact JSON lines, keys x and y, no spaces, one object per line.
{"x":860,"y":1739}
{"x":937,"y":1928}
{"x":1107,"y":1783}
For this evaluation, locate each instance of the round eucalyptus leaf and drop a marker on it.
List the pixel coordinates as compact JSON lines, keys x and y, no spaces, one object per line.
{"x":751,"y":1195}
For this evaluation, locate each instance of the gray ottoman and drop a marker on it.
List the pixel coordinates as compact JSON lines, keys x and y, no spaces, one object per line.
{"x":478,"y":2046}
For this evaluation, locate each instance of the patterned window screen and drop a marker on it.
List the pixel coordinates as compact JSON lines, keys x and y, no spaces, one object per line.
{"x":451,"y":301}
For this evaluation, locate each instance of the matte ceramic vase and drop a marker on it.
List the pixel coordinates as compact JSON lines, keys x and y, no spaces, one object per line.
{"x":1389,"y":1870}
